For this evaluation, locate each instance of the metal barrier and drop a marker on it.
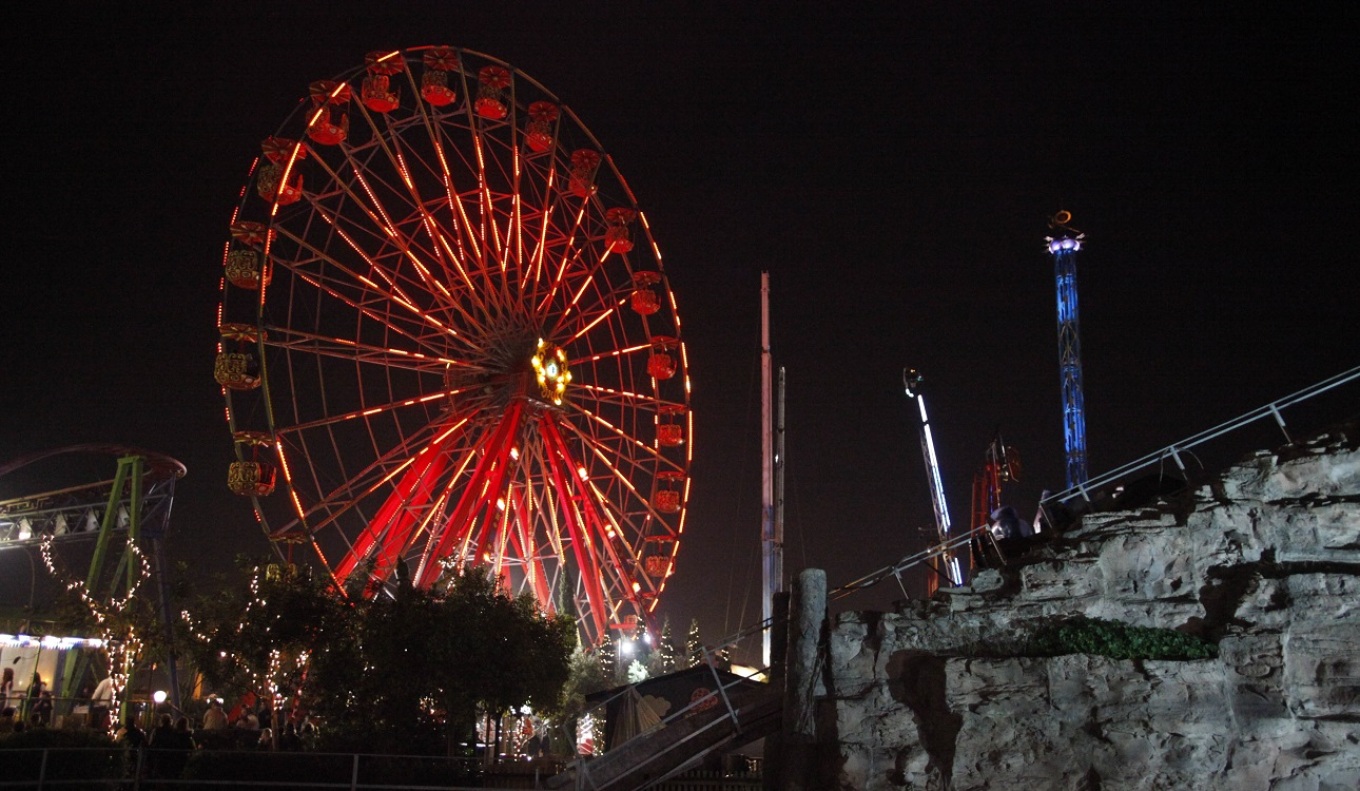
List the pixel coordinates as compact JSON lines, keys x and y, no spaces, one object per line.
{"x":933,"y":552}
{"x":730,"y":713}
{"x":1174,"y":451}
{"x":120,"y":769}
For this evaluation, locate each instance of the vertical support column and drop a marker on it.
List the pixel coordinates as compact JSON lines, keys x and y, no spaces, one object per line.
{"x":807,"y":616}
{"x":772,"y":770}
{"x":772,"y":550}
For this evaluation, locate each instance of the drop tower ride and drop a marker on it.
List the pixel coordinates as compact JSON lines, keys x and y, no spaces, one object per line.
{"x":1063,"y":244}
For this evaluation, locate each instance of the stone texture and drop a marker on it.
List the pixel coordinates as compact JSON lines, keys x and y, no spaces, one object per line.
{"x":1265,"y":561}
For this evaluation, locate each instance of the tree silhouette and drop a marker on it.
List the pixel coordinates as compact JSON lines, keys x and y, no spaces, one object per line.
{"x":666,"y":648}
{"x":694,"y":647}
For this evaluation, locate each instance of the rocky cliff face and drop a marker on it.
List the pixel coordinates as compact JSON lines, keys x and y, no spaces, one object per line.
{"x":1265,"y":562}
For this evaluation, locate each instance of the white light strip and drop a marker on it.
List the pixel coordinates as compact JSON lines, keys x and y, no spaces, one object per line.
{"x":58,"y":643}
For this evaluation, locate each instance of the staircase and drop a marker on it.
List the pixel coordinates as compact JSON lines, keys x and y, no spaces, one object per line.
{"x":680,"y":744}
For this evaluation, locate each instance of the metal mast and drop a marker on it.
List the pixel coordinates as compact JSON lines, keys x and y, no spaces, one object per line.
{"x":911,"y":382}
{"x":1064,"y":245}
{"x":771,"y":542}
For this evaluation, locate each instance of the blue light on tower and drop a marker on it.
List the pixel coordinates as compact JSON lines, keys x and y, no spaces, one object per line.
{"x":1064,"y":245}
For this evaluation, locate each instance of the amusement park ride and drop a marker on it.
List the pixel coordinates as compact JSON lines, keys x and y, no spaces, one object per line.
{"x":1064,"y":245}
{"x":448,"y":341}
{"x":125,"y":518}
{"x":946,"y":564}
{"x":992,"y":521}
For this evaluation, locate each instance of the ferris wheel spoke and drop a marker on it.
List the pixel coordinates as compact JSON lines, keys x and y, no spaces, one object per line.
{"x":607,"y":395}
{"x":366,"y":286}
{"x":355,"y":489}
{"x":474,"y":451}
{"x":355,"y":351}
{"x":540,"y":218}
{"x":608,"y":530}
{"x":494,"y":446}
{"x":391,"y":526}
{"x":468,"y":243}
{"x":588,"y":278}
{"x":353,"y":278}
{"x":382,"y":217}
{"x":588,"y":326}
{"x":564,"y":265}
{"x":419,"y":333}
{"x":398,"y":157}
{"x":441,"y":250}
{"x":546,"y":236}
{"x":461,"y":227}
{"x":579,"y":536}
{"x":612,"y":458}
{"x":391,"y":233}
{"x":487,"y":221}
{"x":537,"y":472}
{"x":520,"y":529}
{"x":605,"y":355}
{"x":372,"y":410}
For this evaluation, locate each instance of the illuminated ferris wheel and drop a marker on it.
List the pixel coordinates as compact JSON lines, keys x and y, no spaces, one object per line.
{"x":447,"y":341}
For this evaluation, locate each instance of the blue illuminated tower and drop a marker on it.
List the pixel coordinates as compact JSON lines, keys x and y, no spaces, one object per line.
{"x":1064,"y":245}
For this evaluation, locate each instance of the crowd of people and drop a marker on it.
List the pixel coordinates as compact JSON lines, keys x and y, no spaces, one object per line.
{"x":218,"y":730}
{"x":172,"y":738}
{"x":20,"y":709}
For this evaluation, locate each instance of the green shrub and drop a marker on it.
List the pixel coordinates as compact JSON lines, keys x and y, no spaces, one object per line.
{"x":1118,"y":640}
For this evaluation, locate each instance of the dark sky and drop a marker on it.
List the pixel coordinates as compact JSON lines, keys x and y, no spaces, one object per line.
{"x":891,"y":165}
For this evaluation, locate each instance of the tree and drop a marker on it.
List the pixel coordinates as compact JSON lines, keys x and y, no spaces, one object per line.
{"x":638,"y":672}
{"x":608,"y":654}
{"x":426,"y":660}
{"x":669,"y":659}
{"x":399,"y":671}
{"x":129,"y":621}
{"x":585,"y":676}
{"x":254,"y":639}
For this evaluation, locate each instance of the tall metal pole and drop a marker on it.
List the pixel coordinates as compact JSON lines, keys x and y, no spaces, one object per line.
{"x":770,"y":551}
{"x":779,"y":483}
{"x":948,"y":565}
{"x":1064,"y":245}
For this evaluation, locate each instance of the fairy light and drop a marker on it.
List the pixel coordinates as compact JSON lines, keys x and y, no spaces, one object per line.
{"x":124,"y":649}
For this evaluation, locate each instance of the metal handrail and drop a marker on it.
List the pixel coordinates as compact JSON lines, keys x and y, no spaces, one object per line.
{"x":1174,"y":450}
{"x":583,"y":778}
{"x":958,"y":541}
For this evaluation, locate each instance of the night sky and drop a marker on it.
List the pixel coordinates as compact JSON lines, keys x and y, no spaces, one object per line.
{"x":891,"y":165}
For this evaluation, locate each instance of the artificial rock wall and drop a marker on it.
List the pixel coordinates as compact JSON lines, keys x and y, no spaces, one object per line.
{"x":1265,"y":561}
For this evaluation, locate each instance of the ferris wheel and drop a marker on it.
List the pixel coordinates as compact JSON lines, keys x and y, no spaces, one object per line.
{"x":447,"y":341}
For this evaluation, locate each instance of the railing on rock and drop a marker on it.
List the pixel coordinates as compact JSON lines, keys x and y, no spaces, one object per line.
{"x":1174,"y":451}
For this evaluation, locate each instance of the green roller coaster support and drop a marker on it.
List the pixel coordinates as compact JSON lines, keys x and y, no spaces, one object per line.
{"x":129,"y":467}
{"x":129,"y":478}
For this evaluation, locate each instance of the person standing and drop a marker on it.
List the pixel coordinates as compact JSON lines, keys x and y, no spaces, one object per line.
{"x":101,"y":703}
{"x":133,"y":739}
{"x":6,"y":687}
{"x":179,"y":743}
{"x":215,"y":719}
{"x":42,"y":710}
{"x":35,"y":688}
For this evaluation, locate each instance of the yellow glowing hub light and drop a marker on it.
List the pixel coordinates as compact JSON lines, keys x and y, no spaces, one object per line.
{"x":550,"y":367}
